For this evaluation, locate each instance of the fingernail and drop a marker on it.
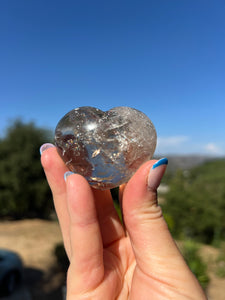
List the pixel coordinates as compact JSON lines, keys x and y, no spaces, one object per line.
{"x":45,"y":147}
{"x":68,"y":173}
{"x":156,"y":173}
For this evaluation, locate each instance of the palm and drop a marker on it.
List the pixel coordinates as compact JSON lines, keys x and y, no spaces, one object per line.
{"x":119,"y":266}
{"x":118,"y":258}
{"x":122,"y":277}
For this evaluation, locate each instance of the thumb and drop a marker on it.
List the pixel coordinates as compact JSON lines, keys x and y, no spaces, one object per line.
{"x":151,"y":240}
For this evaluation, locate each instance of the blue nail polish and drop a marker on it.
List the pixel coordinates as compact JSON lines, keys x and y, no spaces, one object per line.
{"x":163,"y":161}
{"x":67,"y":174}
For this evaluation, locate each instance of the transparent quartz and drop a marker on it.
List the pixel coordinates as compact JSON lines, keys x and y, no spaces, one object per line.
{"x":105,"y":147}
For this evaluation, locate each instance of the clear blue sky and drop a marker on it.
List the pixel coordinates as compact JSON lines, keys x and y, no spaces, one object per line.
{"x":165,"y":58}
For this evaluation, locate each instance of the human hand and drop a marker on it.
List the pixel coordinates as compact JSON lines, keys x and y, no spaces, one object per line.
{"x":106,"y":261}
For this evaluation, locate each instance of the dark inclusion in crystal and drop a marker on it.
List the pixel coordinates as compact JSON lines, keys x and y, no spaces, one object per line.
{"x":105,"y":147}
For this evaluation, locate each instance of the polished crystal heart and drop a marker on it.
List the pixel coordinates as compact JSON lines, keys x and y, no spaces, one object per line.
{"x":105,"y":147}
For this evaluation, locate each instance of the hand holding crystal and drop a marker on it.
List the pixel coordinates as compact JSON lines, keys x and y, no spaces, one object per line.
{"x":108,"y":261}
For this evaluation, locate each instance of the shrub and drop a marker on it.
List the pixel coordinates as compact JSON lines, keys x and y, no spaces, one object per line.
{"x":190,"y":251}
{"x":61,"y":257}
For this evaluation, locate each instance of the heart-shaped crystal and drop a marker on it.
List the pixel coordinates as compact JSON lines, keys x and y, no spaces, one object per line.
{"x":105,"y":147}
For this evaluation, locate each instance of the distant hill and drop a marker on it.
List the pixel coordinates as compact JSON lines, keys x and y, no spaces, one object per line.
{"x":186,"y":162}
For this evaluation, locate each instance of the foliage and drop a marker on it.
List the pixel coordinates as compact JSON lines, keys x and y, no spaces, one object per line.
{"x":62,"y":259}
{"x":23,"y":188}
{"x":169,"y":220}
{"x":190,"y":251}
{"x":116,"y":202}
{"x":196,"y":202}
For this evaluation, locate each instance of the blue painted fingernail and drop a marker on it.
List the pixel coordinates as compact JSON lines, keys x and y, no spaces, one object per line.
{"x":163,"y":161}
{"x":68,"y":173}
{"x":45,"y":147}
{"x":156,"y":173}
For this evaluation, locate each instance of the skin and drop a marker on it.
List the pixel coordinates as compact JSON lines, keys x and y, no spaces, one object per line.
{"x":110,"y":262}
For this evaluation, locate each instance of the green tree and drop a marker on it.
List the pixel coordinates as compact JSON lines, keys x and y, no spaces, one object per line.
{"x":196,"y":202}
{"x":23,"y":188}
